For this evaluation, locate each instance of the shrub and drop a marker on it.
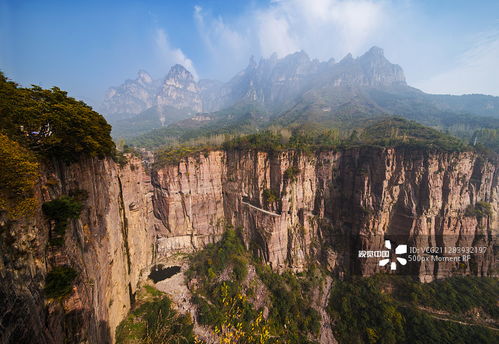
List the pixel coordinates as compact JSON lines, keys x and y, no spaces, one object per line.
{"x":269,"y":196}
{"x":51,"y":123}
{"x":363,"y":314}
{"x":480,"y":210}
{"x":60,"y":210}
{"x":59,"y":282}
{"x":387,"y":309}
{"x":291,"y":173}
{"x":483,"y":209}
{"x":290,"y":313}
{"x":155,"y":321}
{"x":36,"y":123}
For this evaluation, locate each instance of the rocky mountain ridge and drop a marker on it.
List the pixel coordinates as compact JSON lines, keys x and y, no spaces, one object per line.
{"x":130,"y":98}
{"x":270,"y":82}
{"x":291,"y":91}
{"x":273,"y":83}
{"x":177,"y":90}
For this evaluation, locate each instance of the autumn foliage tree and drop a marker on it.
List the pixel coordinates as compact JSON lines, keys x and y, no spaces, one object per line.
{"x":18,"y":175}
{"x":234,"y":329}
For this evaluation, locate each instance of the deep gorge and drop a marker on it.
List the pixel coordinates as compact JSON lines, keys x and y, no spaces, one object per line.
{"x":291,"y":208}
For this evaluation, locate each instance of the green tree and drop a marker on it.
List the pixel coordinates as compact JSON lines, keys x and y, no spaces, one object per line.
{"x":52,"y":123}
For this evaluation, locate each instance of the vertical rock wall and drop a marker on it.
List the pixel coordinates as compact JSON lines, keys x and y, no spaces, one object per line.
{"x":110,"y":245}
{"x":291,"y":208}
{"x":294,"y":207}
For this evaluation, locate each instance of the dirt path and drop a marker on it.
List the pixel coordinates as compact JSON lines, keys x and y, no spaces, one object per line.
{"x":444,"y":316}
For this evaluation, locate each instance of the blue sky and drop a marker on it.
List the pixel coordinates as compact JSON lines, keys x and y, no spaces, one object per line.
{"x":445,"y":46}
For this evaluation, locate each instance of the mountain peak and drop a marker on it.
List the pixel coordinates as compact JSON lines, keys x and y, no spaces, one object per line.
{"x":252,"y":63}
{"x":179,"y":90}
{"x":375,"y":51}
{"x":299,"y":55}
{"x":144,"y":77}
{"x":348,"y":58}
{"x":179,"y":72}
{"x":379,"y":70}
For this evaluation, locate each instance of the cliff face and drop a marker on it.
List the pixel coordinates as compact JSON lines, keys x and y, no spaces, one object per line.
{"x":291,"y":208}
{"x":188,"y":201}
{"x":294,"y":208}
{"x":109,"y":245}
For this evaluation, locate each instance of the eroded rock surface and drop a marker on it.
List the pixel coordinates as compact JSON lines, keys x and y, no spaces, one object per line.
{"x":291,"y":208}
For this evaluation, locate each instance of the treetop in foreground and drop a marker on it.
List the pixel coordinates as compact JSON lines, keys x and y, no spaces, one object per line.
{"x":51,"y":123}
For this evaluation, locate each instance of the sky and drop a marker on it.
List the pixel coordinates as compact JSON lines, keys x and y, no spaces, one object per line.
{"x":84,"y":47}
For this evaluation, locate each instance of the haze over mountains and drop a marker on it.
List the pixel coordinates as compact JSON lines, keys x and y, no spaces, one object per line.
{"x":293,"y":89}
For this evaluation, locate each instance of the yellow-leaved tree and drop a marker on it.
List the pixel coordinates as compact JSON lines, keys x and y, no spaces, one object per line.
{"x":234,"y":329}
{"x":18,"y":175}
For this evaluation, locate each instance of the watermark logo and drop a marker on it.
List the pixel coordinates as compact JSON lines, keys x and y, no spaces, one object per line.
{"x":399,"y":250}
{"x":450,"y":258}
{"x":385,"y":255}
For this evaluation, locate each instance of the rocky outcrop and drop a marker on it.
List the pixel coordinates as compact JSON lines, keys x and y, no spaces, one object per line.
{"x":291,"y":208}
{"x":147,"y":99}
{"x":369,"y":70}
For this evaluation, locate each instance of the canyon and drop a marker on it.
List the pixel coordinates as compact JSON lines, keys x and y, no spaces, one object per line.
{"x":291,"y":208}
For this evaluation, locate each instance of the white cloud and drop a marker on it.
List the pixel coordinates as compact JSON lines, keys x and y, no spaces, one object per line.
{"x":475,"y":70}
{"x":274,"y":33}
{"x":412,"y":37}
{"x":323,"y":28}
{"x":228,"y":46}
{"x":172,"y":55}
{"x":216,"y":32}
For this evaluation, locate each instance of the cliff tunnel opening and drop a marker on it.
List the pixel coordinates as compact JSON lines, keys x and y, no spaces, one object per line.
{"x":160,"y":272}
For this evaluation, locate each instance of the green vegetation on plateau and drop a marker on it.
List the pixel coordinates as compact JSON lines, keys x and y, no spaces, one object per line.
{"x":155,"y":321}
{"x":387,"y":132}
{"x":172,"y":155}
{"x":487,"y":138}
{"x":400,"y":132}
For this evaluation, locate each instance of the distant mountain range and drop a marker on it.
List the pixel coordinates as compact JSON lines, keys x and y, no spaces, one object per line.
{"x":289,"y":91}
